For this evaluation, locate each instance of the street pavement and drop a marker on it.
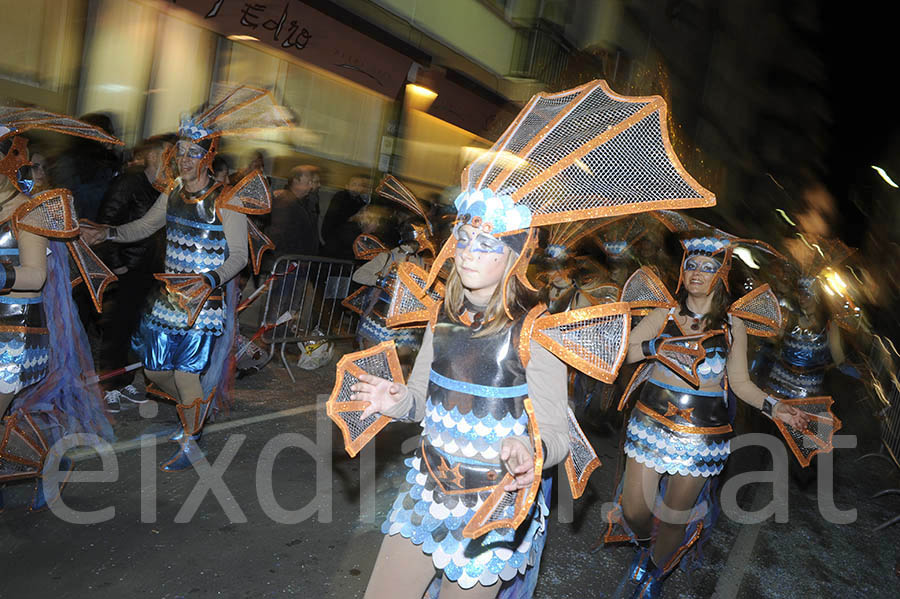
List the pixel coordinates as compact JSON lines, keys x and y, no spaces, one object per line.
{"x":312,"y":527}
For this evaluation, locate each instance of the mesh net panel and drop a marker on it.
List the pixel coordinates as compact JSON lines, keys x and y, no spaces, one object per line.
{"x":17,"y":447}
{"x":632,"y":168}
{"x":244,"y":108}
{"x":394,"y":190}
{"x":821,"y":426}
{"x":642,"y":288}
{"x":505,"y":508}
{"x":25,"y":119}
{"x":97,"y":273}
{"x":252,"y":195}
{"x":359,"y":300}
{"x":432,"y":292}
{"x":376,"y":365}
{"x":579,"y":448}
{"x":596,"y":340}
{"x":365,"y":247}
{"x":764,"y":305}
{"x":55,"y":214}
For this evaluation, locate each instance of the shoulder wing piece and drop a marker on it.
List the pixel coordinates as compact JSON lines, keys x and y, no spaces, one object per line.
{"x":50,"y":213}
{"x":594,"y":339}
{"x":582,"y":459}
{"x":250,"y":195}
{"x":644,"y":289}
{"x":818,"y":436}
{"x":188,"y":291}
{"x":258,"y":244}
{"x":381,"y":361}
{"x":90,"y":270}
{"x":759,"y":309}
{"x":408,"y":303}
{"x":366,"y":247}
{"x":508,"y":509}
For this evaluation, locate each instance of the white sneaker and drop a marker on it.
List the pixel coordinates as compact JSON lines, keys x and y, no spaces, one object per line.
{"x":131,"y":393}
{"x":113,"y":401}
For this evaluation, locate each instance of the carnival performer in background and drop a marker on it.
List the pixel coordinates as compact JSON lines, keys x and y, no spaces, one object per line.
{"x":379,"y":273}
{"x":187,"y":336}
{"x":488,"y":384}
{"x":44,"y":353}
{"x":680,"y":426}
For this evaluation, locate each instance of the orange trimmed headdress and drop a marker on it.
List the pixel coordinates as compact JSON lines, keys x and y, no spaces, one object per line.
{"x":582,"y":153}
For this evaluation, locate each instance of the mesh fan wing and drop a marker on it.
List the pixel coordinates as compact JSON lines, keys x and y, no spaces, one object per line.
{"x":508,"y":509}
{"x":381,"y":361}
{"x":582,"y":459}
{"x":366,"y":247}
{"x":21,"y":448}
{"x":250,"y":195}
{"x":50,"y":214}
{"x":397,"y":192}
{"x":587,"y":152}
{"x":593,"y":339}
{"x":27,"y":119}
{"x":568,"y":234}
{"x":682,"y":355}
{"x":409,"y":304}
{"x":241,"y":109}
{"x":644,"y":289}
{"x":358,"y":300}
{"x":818,"y":437}
{"x":258,"y":244}
{"x":760,"y":311}
{"x":91,"y":271}
{"x":188,"y":291}
{"x":640,"y":376}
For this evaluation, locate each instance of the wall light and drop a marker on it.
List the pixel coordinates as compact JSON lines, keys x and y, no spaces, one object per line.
{"x":419,"y":97}
{"x":243,"y":38}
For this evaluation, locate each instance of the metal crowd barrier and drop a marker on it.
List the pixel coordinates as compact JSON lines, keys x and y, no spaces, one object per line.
{"x":304,"y":302}
{"x":886,"y":388}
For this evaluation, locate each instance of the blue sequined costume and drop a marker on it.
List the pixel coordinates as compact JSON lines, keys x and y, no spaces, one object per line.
{"x":475,"y":399}
{"x":195,"y":244}
{"x":659,"y":433}
{"x":24,"y":339}
{"x":800,"y":369}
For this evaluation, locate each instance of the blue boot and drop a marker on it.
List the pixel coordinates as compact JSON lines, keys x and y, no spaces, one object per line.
{"x":188,"y":452}
{"x":42,"y":500}
{"x":639,"y":565}
{"x":651,"y":585}
{"x":192,"y":417}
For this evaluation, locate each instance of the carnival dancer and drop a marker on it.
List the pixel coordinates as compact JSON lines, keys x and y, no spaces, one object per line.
{"x":379,"y":273}
{"x":486,"y":386}
{"x":680,"y":426}
{"x":44,"y":353}
{"x":186,"y":338}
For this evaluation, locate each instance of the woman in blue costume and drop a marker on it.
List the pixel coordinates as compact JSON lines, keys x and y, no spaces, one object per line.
{"x":44,"y":353}
{"x":680,"y":431}
{"x":467,"y":387}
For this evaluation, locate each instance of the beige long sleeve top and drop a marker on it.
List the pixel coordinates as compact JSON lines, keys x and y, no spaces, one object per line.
{"x":234,"y":225}
{"x":545,"y":375}
{"x":735,"y":367}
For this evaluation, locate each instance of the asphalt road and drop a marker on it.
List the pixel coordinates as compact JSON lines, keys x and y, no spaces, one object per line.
{"x":312,"y":527}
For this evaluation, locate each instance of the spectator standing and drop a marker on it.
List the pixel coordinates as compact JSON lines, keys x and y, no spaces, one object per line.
{"x":338,"y":229}
{"x":129,"y":197}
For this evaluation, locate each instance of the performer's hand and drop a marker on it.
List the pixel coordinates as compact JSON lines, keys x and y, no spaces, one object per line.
{"x":380,"y":393}
{"x":93,"y":233}
{"x":519,"y":462}
{"x":791,"y":415}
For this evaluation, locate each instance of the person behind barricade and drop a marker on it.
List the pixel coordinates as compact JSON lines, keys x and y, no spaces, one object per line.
{"x":44,"y":352}
{"x":186,"y":338}
{"x":339,"y":230}
{"x":488,"y":384}
{"x":129,"y":197}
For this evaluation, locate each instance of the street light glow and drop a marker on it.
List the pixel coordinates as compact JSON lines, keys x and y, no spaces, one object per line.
{"x":885,"y":176}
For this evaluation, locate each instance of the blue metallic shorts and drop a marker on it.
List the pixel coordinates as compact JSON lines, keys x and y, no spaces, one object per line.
{"x":167,"y":350}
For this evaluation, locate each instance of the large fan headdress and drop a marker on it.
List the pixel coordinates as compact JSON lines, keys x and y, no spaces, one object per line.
{"x":582,"y":153}
{"x":15,"y":121}
{"x":397,"y":192}
{"x":234,"y":109}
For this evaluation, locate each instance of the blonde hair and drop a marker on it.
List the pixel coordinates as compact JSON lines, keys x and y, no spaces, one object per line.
{"x":519,"y":300}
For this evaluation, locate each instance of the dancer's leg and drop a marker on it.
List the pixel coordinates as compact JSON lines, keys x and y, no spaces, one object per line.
{"x":401,"y":571}
{"x":639,"y":491}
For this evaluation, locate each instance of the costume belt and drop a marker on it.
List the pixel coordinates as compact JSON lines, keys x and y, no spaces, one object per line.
{"x":682,"y":411}
{"x":22,"y":313}
{"x":459,"y":475}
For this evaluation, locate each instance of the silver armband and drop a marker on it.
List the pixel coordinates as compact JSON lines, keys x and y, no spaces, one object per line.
{"x":768,"y":407}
